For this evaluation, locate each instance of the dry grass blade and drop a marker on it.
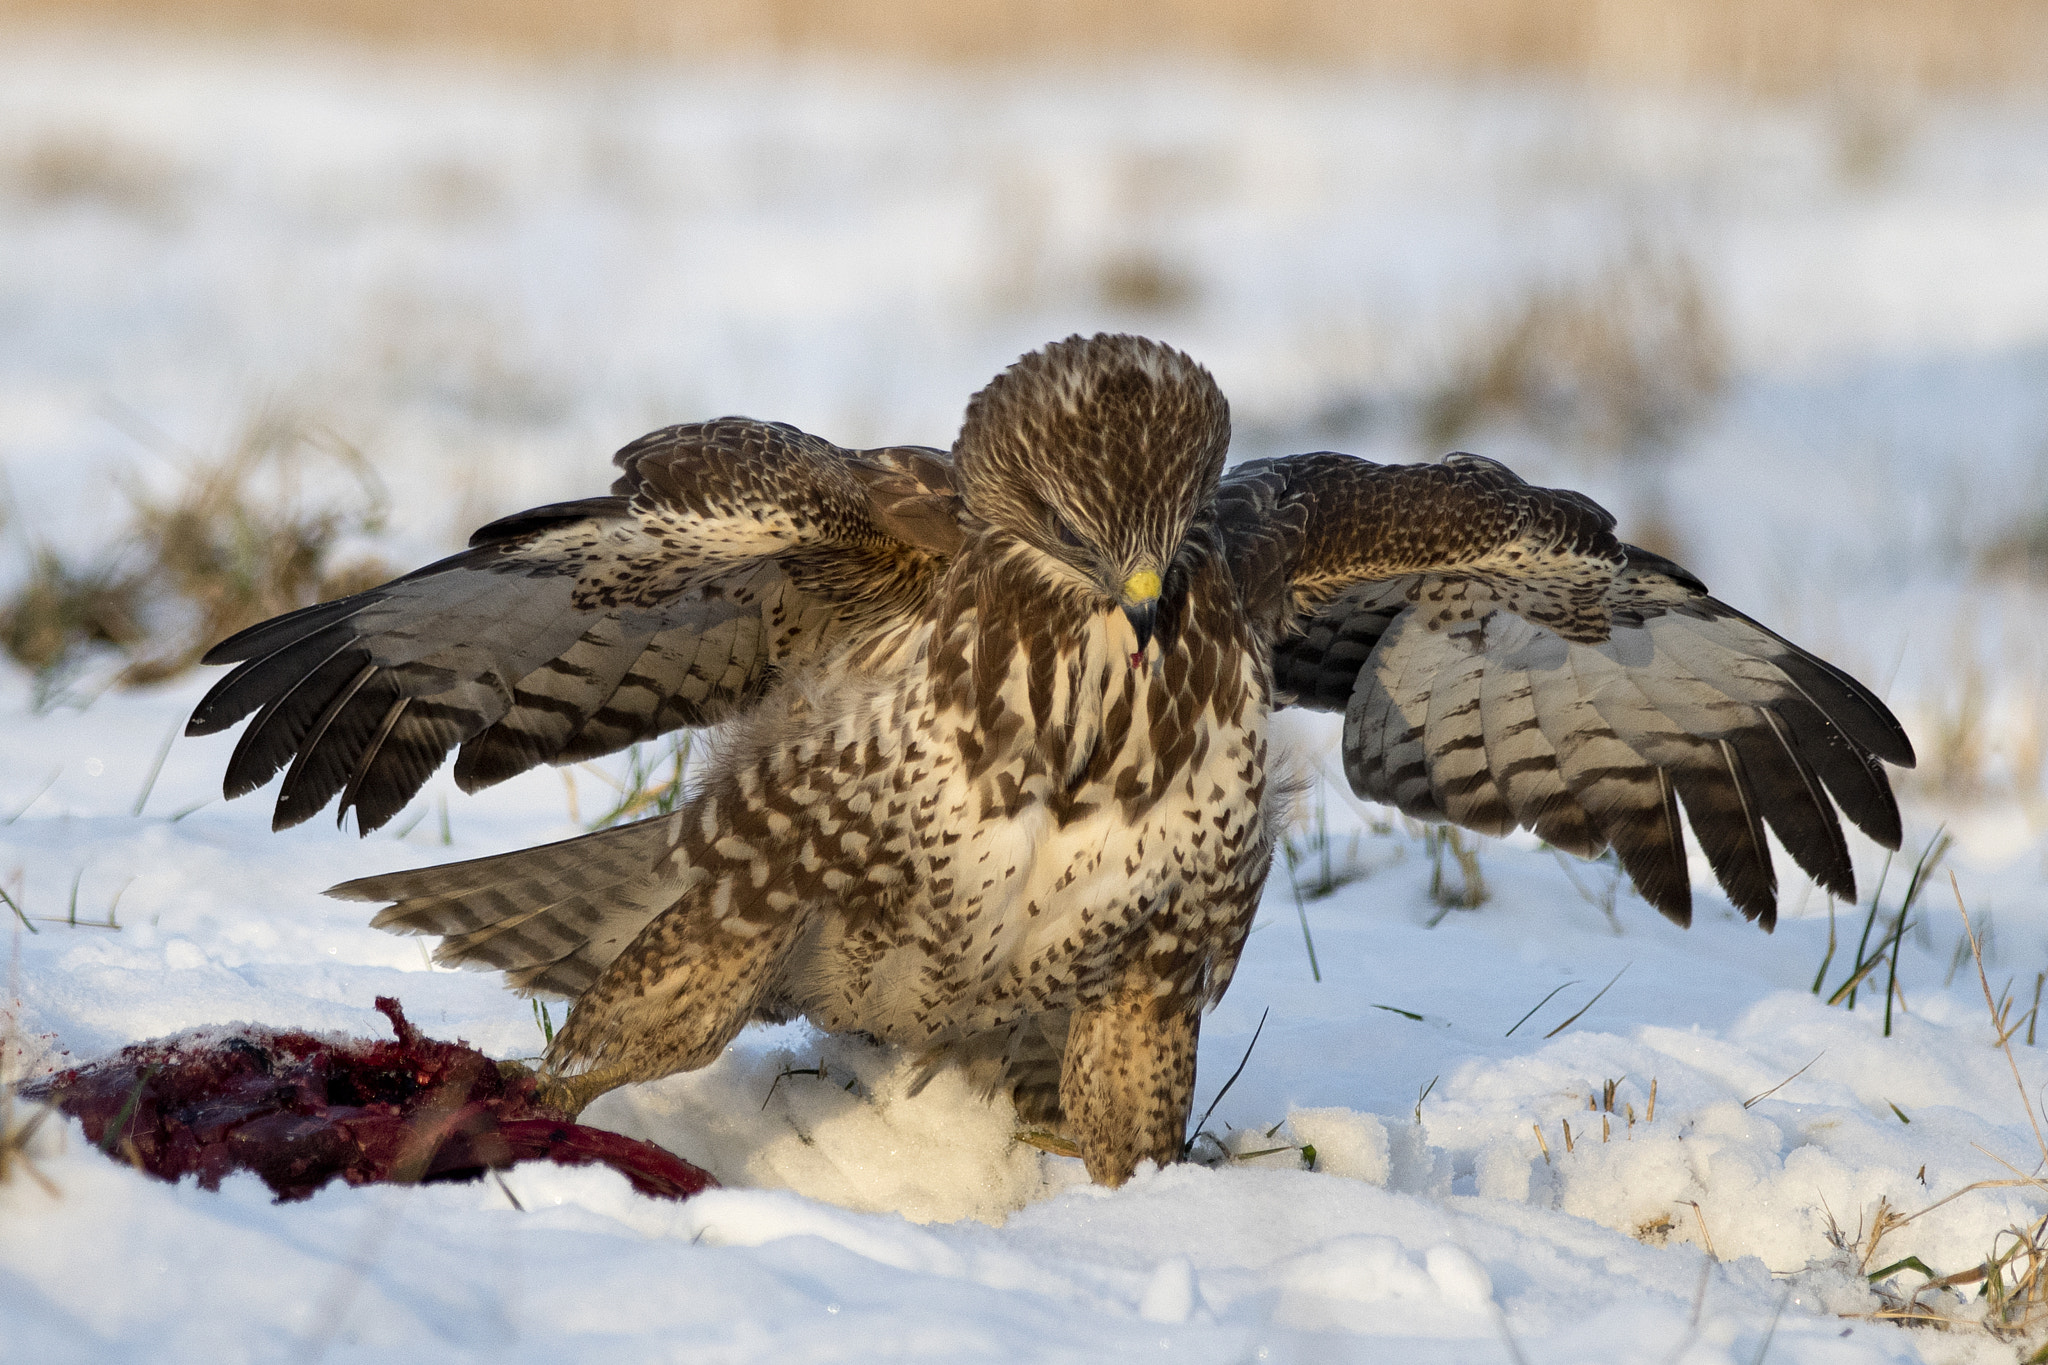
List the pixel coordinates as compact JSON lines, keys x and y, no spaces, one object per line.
{"x":2019,"y":1177}
{"x":1468,"y":891}
{"x":1590,"y":1003}
{"x":2004,"y":1043}
{"x":156,"y":769}
{"x":1847,"y":987}
{"x":1537,"y":1006}
{"x":647,"y":790}
{"x":16,"y":1134}
{"x":1706,"y":1238}
{"x":1760,"y":1098}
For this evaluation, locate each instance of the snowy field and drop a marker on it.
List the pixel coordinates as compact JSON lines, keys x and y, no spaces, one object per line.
{"x":484,"y":280}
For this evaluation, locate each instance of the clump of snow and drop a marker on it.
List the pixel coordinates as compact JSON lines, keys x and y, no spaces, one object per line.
{"x":832,"y":1118}
{"x":1346,"y":1143}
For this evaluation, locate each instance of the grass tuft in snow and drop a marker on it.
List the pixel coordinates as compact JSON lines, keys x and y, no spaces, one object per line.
{"x":2011,"y":1300}
{"x":243,"y":536}
{"x":1981,"y":720}
{"x":1621,"y":363}
{"x":1867,"y":962}
{"x":62,"y":610}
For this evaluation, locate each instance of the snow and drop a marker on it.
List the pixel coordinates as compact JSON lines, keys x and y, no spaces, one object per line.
{"x":487,"y":278}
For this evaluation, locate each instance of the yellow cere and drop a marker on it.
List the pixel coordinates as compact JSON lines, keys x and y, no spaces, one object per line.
{"x":1141,"y":586}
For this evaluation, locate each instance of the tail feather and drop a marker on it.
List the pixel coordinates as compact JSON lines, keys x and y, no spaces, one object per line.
{"x":551,"y":918}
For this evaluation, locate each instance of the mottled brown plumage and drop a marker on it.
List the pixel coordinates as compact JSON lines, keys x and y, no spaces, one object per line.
{"x":992,"y":780}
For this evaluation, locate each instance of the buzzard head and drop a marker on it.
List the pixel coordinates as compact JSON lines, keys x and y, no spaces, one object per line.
{"x":1094,"y":456}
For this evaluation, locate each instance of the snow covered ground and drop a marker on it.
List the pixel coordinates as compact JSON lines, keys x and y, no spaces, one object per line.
{"x":487,"y":279}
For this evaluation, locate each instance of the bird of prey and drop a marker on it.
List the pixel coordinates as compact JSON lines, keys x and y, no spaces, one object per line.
{"x":992,"y":779}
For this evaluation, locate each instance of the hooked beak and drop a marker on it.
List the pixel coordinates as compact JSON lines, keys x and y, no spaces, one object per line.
{"x":1141,"y":608}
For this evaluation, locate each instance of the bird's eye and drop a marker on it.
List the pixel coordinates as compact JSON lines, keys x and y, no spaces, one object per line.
{"x":1066,"y":533}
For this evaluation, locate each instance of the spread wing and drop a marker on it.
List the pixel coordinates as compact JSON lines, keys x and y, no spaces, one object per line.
{"x":1502,"y":660}
{"x":727,"y":555}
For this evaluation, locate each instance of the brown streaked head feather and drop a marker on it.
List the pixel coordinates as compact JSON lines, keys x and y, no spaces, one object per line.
{"x":1119,"y":439}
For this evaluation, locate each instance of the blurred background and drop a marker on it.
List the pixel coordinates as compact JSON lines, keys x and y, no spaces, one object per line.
{"x":294,"y":294}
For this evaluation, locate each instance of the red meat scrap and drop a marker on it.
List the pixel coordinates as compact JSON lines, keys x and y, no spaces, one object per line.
{"x":299,"y":1109}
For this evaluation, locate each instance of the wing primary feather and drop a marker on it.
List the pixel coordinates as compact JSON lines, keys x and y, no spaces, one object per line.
{"x":1848,"y":703}
{"x":730,"y":555}
{"x":273,"y":736}
{"x":287,"y":813}
{"x":1651,"y":846}
{"x":255,"y":641}
{"x":267,"y":678}
{"x":1612,"y":687}
{"x":362,"y":768}
{"x":1761,"y":906}
{"x":1795,"y":807}
{"x":417,"y":745}
{"x":1852,"y":776}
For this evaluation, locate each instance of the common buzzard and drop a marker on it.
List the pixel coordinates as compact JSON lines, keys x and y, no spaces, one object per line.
{"x":992,"y":781}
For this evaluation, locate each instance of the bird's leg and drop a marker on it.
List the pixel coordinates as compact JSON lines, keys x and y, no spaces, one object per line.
{"x":1128,"y":1078}
{"x":678,"y":994}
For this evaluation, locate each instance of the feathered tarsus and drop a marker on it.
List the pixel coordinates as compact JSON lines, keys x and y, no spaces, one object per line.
{"x":993,"y":779}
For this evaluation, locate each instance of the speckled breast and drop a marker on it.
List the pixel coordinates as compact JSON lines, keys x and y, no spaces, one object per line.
{"x":1038,"y":845}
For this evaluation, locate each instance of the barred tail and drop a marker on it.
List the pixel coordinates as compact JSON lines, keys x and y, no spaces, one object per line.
{"x":551,"y":918}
